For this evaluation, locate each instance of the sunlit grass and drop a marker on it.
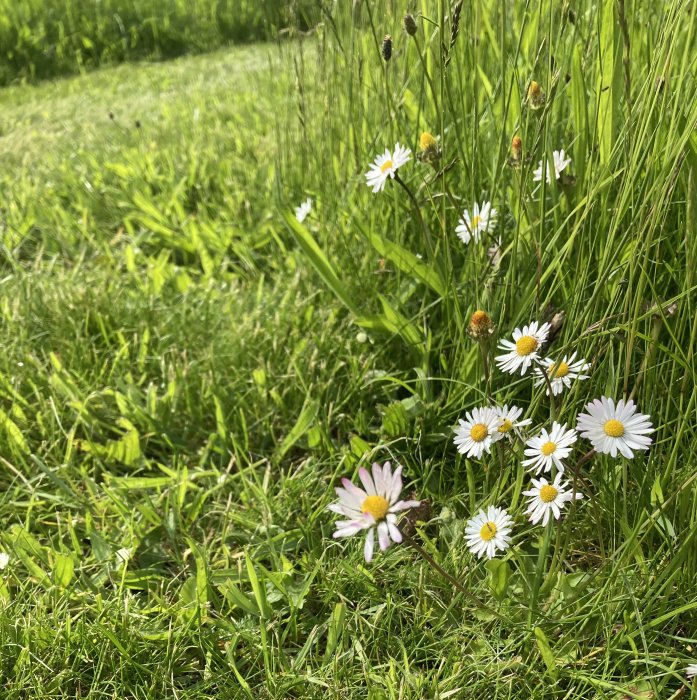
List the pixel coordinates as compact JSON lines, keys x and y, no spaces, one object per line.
{"x":187,"y":371}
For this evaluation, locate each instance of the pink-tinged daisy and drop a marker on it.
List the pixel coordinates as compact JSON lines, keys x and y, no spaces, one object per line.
{"x":374,"y":508}
{"x":488,"y":531}
{"x":561,"y":374}
{"x":691,"y":671}
{"x":546,"y":498}
{"x":549,"y":448}
{"x":386,"y":166}
{"x":614,"y":428}
{"x":524,"y":350}
{"x":475,"y":434}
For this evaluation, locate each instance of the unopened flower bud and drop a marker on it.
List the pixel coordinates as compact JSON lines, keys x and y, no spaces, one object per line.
{"x":430,"y":152}
{"x":481,"y":327}
{"x":516,"y":152}
{"x":410,"y":24}
{"x":386,"y":50}
{"x":536,"y":97}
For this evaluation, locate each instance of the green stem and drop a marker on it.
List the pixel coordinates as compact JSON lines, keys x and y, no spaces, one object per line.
{"x":437,"y":567}
{"x":552,"y":401}
{"x":417,"y":211}
{"x":539,"y":569}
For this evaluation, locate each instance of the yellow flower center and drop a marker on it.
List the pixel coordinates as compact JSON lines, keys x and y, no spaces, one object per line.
{"x":525,"y":345}
{"x":613,"y":428}
{"x":478,"y":432}
{"x":548,"y":493}
{"x":559,"y":371}
{"x":548,"y":448}
{"x":474,"y":222}
{"x":505,"y":426}
{"x":386,"y":165}
{"x":426,"y":141}
{"x":534,"y":90}
{"x":377,"y":506}
{"x":488,"y":531}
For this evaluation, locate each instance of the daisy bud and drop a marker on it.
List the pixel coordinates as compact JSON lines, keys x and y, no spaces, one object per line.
{"x":409,"y":24}
{"x":481,"y":326}
{"x":516,"y":152}
{"x":430,"y":152}
{"x":386,"y":49}
{"x":536,"y":98}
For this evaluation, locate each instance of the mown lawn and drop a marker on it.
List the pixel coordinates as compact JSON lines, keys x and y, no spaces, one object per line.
{"x":188,"y":371}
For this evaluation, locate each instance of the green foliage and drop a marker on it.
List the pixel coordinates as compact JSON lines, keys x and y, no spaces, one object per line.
{"x":48,"y":38}
{"x":187,"y":371}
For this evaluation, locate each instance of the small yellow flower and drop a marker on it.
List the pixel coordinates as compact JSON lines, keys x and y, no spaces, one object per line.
{"x":536,"y":97}
{"x":430,"y":152}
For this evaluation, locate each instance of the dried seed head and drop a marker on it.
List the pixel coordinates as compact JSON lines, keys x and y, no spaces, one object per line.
{"x":410,"y":24}
{"x":430,"y":152}
{"x":386,"y":50}
{"x":481,"y":327}
{"x":536,"y":97}
{"x":454,"y":29}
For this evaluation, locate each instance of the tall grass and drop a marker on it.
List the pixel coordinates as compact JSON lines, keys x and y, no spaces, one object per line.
{"x":44,"y":39}
{"x":187,"y":370}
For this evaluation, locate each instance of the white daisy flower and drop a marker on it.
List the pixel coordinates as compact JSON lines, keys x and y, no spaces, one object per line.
{"x":509,"y":419}
{"x":561,"y":374}
{"x":477,"y":432}
{"x":615,"y":428}
{"x":560,"y":163}
{"x":472,"y":226}
{"x":524,"y":350}
{"x":488,"y":531}
{"x":4,"y":560}
{"x":376,"y":507}
{"x":691,"y":671}
{"x":546,"y":498}
{"x":549,"y":448}
{"x":303,"y":210}
{"x":386,"y":166}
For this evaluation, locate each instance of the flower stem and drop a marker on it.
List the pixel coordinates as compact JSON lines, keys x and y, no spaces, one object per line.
{"x":552,"y":402}
{"x":417,"y":210}
{"x":539,"y":569}
{"x":437,"y":567}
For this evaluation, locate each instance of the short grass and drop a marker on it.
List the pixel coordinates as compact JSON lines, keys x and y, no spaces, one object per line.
{"x":185,"y":376}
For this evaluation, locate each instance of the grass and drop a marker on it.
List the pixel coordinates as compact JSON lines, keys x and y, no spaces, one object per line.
{"x":188,"y":371}
{"x":42,"y":39}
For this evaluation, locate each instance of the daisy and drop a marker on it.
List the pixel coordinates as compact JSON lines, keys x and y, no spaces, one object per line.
{"x":509,"y":419}
{"x":475,"y":435}
{"x":303,"y":210}
{"x":524,"y":350}
{"x":471,"y":227}
{"x":376,"y":507}
{"x":615,"y":428}
{"x":560,"y":163}
{"x":488,"y":531}
{"x":549,"y":448}
{"x":4,"y":560}
{"x":691,"y":671}
{"x":545,"y":497}
{"x":561,"y":374}
{"x":386,"y":166}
